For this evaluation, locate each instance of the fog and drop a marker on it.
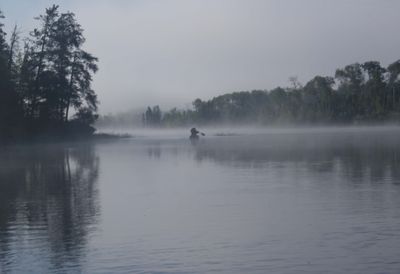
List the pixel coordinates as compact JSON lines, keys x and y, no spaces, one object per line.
{"x":171,"y":52}
{"x":225,"y":131}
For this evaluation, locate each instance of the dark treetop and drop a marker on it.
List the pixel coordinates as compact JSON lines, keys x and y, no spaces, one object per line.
{"x":358,"y":93}
{"x":48,"y":81}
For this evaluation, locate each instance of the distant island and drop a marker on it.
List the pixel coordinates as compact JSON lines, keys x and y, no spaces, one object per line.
{"x":45,"y":80}
{"x":359,"y":93}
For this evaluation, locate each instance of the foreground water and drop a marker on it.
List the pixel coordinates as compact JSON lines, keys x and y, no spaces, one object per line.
{"x":279,"y":201}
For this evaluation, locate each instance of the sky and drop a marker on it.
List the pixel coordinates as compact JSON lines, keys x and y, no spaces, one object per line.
{"x":170,"y":52}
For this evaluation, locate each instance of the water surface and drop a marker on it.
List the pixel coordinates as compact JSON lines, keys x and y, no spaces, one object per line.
{"x":274,"y":201}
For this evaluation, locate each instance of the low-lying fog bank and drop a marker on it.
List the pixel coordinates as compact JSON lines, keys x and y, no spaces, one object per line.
{"x":251,"y":130}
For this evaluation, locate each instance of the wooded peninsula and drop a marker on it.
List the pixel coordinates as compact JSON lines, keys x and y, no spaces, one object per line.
{"x":45,"y":80}
{"x":358,"y":93}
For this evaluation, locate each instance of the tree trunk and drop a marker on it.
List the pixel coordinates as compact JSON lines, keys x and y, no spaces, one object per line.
{"x":70,"y":89}
{"x":39,"y":70}
{"x":13,"y":42}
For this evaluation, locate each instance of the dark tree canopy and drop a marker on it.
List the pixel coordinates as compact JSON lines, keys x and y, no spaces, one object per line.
{"x":358,"y":93}
{"x":49,"y":80}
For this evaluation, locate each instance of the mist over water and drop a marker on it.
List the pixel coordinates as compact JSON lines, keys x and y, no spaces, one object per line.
{"x":288,"y":200}
{"x":105,"y":166}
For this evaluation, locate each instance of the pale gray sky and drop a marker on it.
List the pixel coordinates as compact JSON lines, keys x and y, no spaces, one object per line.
{"x":169,"y":52}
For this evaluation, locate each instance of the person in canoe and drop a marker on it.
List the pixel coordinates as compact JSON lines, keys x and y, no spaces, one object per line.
{"x":194,"y":134}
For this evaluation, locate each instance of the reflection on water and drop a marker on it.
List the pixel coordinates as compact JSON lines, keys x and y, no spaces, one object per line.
{"x":48,"y":201}
{"x":325,"y":201}
{"x":359,"y":156}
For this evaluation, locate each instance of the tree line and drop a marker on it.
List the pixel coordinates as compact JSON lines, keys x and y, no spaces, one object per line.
{"x":364,"y":92}
{"x":45,"y":78}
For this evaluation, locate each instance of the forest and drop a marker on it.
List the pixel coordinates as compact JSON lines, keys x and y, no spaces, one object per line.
{"x":45,"y":79}
{"x":358,"y":93}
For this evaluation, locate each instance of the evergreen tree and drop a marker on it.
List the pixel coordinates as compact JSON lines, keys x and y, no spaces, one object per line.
{"x":42,"y":55}
{"x":52,"y":75}
{"x":393,"y":86}
{"x":9,"y":109}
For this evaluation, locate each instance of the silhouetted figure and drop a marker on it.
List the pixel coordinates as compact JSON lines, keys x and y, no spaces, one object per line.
{"x":194,"y":134}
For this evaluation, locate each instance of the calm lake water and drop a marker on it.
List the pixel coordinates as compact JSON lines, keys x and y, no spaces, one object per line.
{"x":276,"y":201}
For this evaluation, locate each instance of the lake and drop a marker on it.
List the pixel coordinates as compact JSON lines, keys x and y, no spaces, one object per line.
{"x":305,"y":200}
